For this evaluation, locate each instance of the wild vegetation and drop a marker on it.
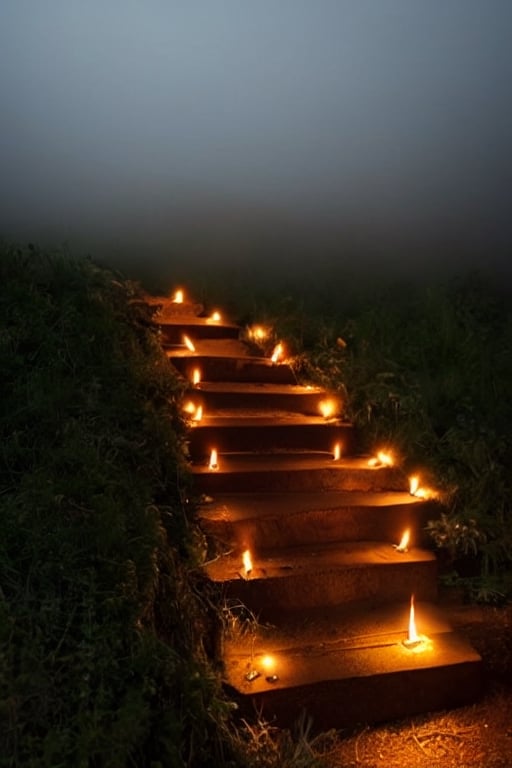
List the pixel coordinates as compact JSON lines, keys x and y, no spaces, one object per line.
{"x":102,"y":622}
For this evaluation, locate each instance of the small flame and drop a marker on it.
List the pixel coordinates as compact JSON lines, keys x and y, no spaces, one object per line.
{"x":187,"y":342}
{"x":198,"y":413}
{"x":404,"y":541}
{"x":196,"y":376}
{"x":258,"y":332}
{"x":385,"y":458}
{"x":215,"y":316}
{"x":326,"y":408}
{"x":412,"y":635}
{"x":213,"y":460}
{"x":247,"y":561}
{"x":178,"y":297}
{"x":278,"y":353}
{"x":268,"y":663}
{"x":189,"y":407}
{"x":414,"y":484}
{"x":382,"y":459}
{"x":337,"y":452}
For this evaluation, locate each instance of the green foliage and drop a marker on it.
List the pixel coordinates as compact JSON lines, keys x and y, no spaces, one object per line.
{"x":102,"y":624}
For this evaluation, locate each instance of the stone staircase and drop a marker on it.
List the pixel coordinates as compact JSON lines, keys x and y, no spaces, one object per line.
{"x":331,"y":592}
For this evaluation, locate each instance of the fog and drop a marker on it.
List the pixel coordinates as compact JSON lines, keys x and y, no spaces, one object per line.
{"x":291,"y":135}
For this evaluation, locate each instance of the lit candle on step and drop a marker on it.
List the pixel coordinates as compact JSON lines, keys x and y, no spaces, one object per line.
{"x":178,"y":297}
{"x":188,"y":343}
{"x":268,"y":663}
{"x":196,"y":377}
{"x":415,"y":641}
{"x":326,"y":408}
{"x":215,"y":317}
{"x":404,"y":542}
{"x":278,"y":353}
{"x":198,"y":413}
{"x":414,"y":484}
{"x":247,"y":563}
{"x":337,"y":452}
{"x":213,"y":460}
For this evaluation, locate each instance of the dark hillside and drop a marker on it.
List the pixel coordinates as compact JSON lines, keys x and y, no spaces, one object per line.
{"x":100,"y":626}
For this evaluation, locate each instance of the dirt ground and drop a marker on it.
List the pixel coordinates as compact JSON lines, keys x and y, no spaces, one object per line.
{"x":476,"y":736}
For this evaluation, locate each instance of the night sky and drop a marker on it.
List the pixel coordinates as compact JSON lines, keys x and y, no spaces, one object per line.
{"x":272,"y":132}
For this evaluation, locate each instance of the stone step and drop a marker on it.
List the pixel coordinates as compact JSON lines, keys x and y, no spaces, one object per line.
{"x":220,"y":395}
{"x":281,"y":519}
{"x":230,"y":368}
{"x":173,"y":328}
{"x":256,"y":431}
{"x":293,"y":471}
{"x":328,"y":575}
{"x":341,"y":668}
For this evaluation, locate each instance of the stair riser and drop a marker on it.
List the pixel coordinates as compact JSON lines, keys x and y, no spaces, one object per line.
{"x":324,"y":526}
{"x":253,"y":438}
{"x":173,"y":334}
{"x":362,"y":700}
{"x":212,"y":483}
{"x":270,"y":598}
{"x":308,"y":404}
{"x":233,"y":369}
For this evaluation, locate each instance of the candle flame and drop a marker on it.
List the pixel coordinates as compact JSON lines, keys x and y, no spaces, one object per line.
{"x":189,"y":407}
{"x":258,"y":332}
{"x":326,"y":408}
{"x":196,"y":376}
{"x":404,"y":541}
{"x":382,"y":459}
{"x":268,"y":663}
{"x":215,"y":316}
{"x":213,"y":460}
{"x":278,"y":353}
{"x":414,"y":484}
{"x":337,"y":452}
{"x":188,"y":343}
{"x":178,"y":297}
{"x":247,"y":561}
{"x":412,"y":635}
{"x":198,"y":413}
{"x":385,"y":458}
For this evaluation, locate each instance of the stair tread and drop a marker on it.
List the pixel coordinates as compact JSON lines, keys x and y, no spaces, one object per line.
{"x":384,"y":654}
{"x":304,"y":560}
{"x":269,"y":417}
{"x":212,"y":348}
{"x":194,"y":321}
{"x":273,"y":461}
{"x":243,"y":506}
{"x":258,"y":388}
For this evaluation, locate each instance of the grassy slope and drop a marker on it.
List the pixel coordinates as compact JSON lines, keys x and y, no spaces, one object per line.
{"x":101,"y":624}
